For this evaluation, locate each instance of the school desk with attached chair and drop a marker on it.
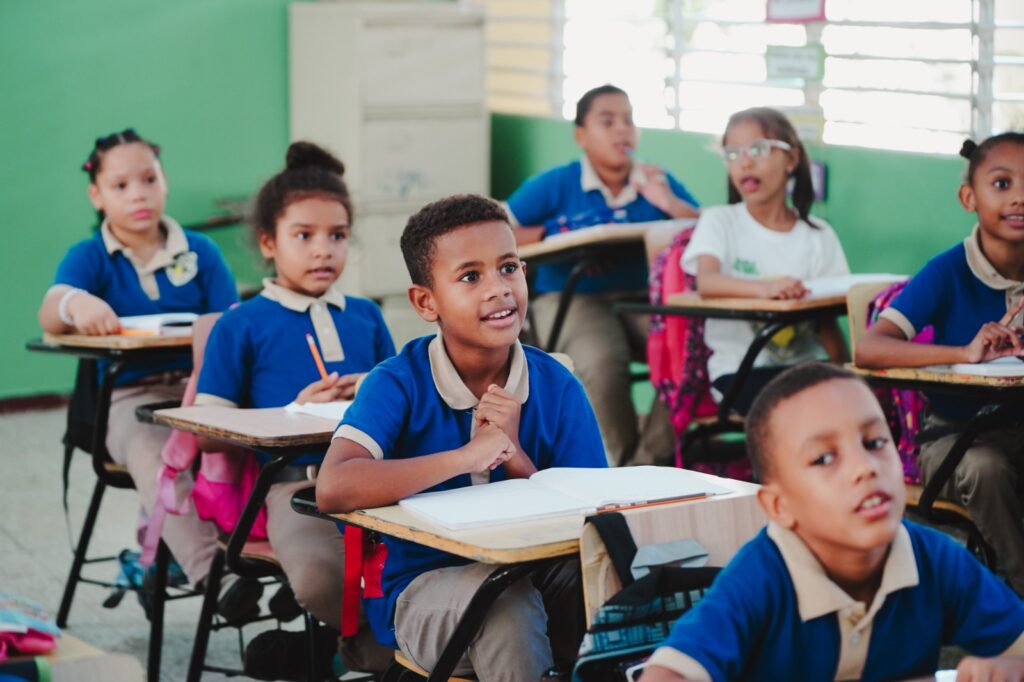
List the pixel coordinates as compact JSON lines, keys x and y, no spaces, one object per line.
{"x":101,"y":360}
{"x":721,"y":523}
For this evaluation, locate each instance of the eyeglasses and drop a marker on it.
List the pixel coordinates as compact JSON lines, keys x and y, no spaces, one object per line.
{"x":753,"y":151}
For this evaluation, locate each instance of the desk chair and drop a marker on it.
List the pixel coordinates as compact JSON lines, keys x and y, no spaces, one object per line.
{"x":921,"y":500}
{"x":86,"y":430}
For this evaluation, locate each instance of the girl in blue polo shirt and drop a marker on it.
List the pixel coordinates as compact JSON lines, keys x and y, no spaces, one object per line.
{"x":257,"y":356}
{"x":606,"y":185}
{"x":139,"y":262}
{"x":972,"y":296}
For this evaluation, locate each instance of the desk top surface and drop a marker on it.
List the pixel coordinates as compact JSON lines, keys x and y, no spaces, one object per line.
{"x":692,"y":300}
{"x":117,"y":341}
{"x":514,"y":542}
{"x":272,"y":427}
{"x":931,"y":376}
{"x":599,"y":235}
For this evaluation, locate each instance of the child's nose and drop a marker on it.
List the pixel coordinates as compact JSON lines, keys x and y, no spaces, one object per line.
{"x":865,"y":464}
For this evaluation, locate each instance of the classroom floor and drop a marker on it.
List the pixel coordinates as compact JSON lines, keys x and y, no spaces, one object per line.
{"x":35,"y":554}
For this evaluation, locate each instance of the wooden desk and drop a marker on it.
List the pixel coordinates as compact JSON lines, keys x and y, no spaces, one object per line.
{"x":932,"y":379}
{"x":584,"y":247}
{"x":692,"y":304}
{"x":270,"y":429}
{"x":117,"y":342}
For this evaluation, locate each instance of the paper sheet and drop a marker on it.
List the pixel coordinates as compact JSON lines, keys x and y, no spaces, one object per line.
{"x":335,"y":410}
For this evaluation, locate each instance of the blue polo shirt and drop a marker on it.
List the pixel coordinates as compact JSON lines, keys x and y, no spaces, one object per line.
{"x":571,"y":197}
{"x":400,"y":413}
{"x":750,"y":626}
{"x":188,"y":274}
{"x":257,"y":354}
{"x":956,"y":292}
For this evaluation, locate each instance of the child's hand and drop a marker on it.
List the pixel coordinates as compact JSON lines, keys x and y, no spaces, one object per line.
{"x":93,"y":315}
{"x":655,"y":188}
{"x":996,"y":339}
{"x":500,"y":408}
{"x":334,"y":387}
{"x":783,"y":288}
{"x":1000,"y":669}
{"x":489,"y":449}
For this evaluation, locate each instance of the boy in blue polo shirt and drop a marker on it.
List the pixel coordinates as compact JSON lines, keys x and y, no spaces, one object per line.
{"x":465,"y":407}
{"x":838,"y":587}
{"x":606,"y":185}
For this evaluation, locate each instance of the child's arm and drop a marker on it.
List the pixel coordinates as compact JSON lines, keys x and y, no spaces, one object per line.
{"x":351,"y":478}
{"x":500,"y":408}
{"x":885,"y":345}
{"x":998,"y":669}
{"x":657,"y":191}
{"x":529,"y":234}
{"x":334,"y":387}
{"x":713,"y":283}
{"x":833,"y":341}
{"x":655,"y":673}
{"x":91,"y":314}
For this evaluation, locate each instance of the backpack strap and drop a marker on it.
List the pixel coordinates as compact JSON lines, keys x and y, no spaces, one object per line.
{"x":618,"y":540}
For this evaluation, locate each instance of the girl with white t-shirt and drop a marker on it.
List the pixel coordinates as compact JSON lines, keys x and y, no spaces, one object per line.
{"x":760,"y":246}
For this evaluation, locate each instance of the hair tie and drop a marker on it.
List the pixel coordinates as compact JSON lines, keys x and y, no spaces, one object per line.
{"x":87,"y":166}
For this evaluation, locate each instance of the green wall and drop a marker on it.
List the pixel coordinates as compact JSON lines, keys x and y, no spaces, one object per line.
{"x":207,"y":80}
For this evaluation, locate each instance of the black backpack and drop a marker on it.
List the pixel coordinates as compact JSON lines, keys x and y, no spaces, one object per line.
{"x":631,"y":625}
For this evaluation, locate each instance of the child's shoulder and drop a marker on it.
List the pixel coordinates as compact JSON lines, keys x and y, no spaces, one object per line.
{"x":565,"y":173}
{"x":549,"y":368}
{"x":362,"y":306}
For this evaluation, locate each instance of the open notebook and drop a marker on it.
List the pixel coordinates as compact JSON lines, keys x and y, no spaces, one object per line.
{"x":1000,"y":367}
{"x":162,"y":324}
{"x":335,"y":410}
{"x":557,"y":492}
{"x":828,"y":287}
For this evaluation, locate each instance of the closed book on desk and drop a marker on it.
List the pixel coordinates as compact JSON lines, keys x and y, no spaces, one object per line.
{"x":161,"y":324}
{"x":558,"y":492}
{"x":829,"y":287}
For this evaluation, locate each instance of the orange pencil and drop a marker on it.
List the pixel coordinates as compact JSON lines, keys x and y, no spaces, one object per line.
{"x":316,"y":356}
{"x":138,"y":332}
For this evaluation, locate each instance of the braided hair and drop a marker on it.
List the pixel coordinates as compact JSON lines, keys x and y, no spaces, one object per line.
{"x":105,"y":143}
{"x":976,"y":153}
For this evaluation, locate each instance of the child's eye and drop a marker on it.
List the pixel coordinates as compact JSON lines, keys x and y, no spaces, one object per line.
{"x":121,"y":185}
{"x":875,"y":443}
{"x":339,"y":236}
{"x":302,"y":236}
{"x":824,"y":460}
{"x":509,"y":268}
{"x":151,"y":179}
{"x":470,"y":277}
{"x":1001,"y":183}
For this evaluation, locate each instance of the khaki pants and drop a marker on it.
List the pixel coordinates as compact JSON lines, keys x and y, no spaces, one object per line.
{"x":312,"y":555}
{"x":601,"y":344}
{"x":987,"y":482}
{"x":536,"y":621}
{"x":137,"y":447}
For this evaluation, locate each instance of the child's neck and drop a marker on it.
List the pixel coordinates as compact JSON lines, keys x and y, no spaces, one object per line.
{"x":774,"y":214}
{"x":480,"y":367}
{"x":1006,"y":257}
{"x":858,"y":573}
{"x":615,"y":179}
{"x":142,"y":243}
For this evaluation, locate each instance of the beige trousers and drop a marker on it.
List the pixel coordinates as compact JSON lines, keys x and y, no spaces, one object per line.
{"x":987,"y":482}
{"x":535,"y":622}
{"x":137,"y":447}
{"x":601,"y":344}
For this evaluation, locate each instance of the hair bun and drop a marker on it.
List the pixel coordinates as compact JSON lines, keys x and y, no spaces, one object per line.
{"x":309,"y":155}
{"x":968,"y":147}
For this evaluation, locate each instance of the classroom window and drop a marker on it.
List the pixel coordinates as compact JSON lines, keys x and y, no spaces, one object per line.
{"x":916,"y":75}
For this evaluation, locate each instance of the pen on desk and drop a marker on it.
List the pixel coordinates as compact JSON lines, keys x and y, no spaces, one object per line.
{"x":316,"y":356}
{"x":649,"y":503}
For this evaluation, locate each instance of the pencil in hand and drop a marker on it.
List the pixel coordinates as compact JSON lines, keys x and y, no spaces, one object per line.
{"x":316,"y":356}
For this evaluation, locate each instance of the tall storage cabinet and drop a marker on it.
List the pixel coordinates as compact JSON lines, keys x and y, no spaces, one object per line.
{"x":396,"y":90}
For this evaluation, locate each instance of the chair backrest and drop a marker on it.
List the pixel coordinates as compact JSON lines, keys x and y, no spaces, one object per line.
{"x":201,"y":329}
{"x":857,"y":300}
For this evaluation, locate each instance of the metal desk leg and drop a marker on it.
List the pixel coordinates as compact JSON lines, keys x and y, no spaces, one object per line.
{"x":761,"y":340}
{"x":489,"y":590}
{"x":564,"y":301}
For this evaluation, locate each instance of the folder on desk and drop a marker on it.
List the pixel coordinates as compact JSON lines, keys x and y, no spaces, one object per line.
{"x":558,"y":492}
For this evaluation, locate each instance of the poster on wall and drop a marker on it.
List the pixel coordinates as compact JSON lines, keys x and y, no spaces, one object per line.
{"x":790,"y":11}
{"x":807,"y":62}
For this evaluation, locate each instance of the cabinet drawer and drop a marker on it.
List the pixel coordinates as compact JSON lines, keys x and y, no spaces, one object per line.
{"x":423,"y":160}
{"x":382,"y":269}
{"x":431,"y":63}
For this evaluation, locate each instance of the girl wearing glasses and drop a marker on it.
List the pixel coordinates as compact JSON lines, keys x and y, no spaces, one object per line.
{"x":764,"y":244}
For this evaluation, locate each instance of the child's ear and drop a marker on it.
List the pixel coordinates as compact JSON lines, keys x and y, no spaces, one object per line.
{"x":967,"y":199}
{"x":422,"y":299}
{"x":94,"y":196}
{"x":773,"y":502}
{"x":266,"y":242}
{"x":580,"y":135}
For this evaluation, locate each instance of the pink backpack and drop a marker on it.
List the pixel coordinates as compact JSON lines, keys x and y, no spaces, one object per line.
{"x":678,"y":357}
{"x":223,"y":483}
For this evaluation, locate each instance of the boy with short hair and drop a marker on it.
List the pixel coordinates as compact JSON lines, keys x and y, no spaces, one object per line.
{"x":465,"y":407}
{"x":838,"y":586}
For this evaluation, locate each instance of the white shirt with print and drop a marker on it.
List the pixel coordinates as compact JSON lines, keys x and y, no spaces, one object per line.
{"x":747,"y":249}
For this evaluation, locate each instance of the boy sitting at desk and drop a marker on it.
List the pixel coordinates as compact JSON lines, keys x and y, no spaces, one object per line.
{"x":838,"y":587}
{"x":465,"y":407}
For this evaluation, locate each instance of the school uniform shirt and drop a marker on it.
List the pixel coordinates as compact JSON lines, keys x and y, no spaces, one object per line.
{"x":956,"y":293}
{"x":257,"y":354}
{"x":187,"y":274}
{"x":749,"y":250}
{"x":774,"y":614}
{"x":573,"y":196}
{"x":416,"y":404}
